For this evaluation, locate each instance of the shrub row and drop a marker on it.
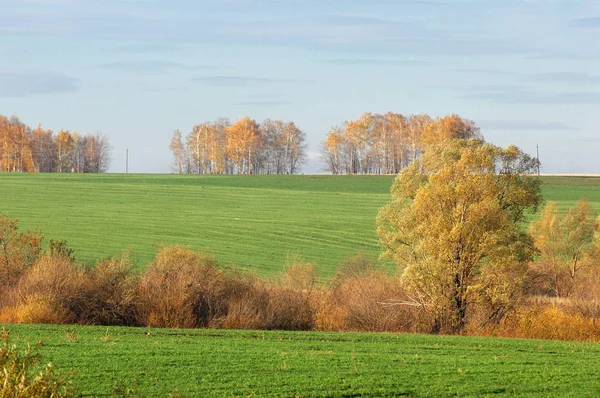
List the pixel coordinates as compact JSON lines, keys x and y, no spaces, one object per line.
{"x":186,"y":289}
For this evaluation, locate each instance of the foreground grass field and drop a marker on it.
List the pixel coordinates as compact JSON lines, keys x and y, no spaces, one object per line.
{"x":156,"y":362}
{"x":251,"y":221}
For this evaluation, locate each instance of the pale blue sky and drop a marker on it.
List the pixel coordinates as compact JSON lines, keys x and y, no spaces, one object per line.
{"x":527,"y":72}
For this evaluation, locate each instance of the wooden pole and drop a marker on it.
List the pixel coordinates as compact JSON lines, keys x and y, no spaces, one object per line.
{"x":537,"y":150}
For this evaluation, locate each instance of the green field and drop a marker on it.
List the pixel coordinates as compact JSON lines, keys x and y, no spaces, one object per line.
{"x":250,"y":221}
{"x":255,"y":221}
{"x":568,"y":190}
{"x":202,"y":363}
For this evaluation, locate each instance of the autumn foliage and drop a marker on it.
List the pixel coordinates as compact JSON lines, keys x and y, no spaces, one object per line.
{"x":17,"y":250}
{"x":26,"y":149}
{"x":567,"y":245}
{"x":452,"y":228}
{"x":179,"y":289}
{"x":385,"y":144}
{"x":242,"y":147}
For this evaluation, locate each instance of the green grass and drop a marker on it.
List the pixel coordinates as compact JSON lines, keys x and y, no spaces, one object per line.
{"x":270,"y":364}
{"x":251,"y":221}
{"x":566,"y":191}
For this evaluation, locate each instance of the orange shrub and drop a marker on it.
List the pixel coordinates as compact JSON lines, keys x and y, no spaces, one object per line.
{"x":108,"y":294}
{"x":373,"y":302}
{"x":179,"y":289}
{"x":245,"y":299}
{"x":18,"y":251}
{"x":291,"y":305}
{"x":299,"y":275}
{"x":46,"y":293}
{"x":34,"y":309}
{"x":285,"y":305}
{"x":541,"y":319}
{"x":363,"y":298}
{"x":288,"y":309}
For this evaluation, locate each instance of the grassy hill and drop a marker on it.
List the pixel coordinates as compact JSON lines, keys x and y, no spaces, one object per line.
{"x":250,"y":221}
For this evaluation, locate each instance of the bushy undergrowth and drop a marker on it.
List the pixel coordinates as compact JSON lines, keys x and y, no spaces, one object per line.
{"x":186,"y":289}
{"x":182,"y":288}
{"x":544,"y":318}
{"x":362,"y":297}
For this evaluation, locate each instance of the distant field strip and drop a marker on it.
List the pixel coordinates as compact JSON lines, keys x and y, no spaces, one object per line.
{"x":251,"y":221}
{"x":210,"y":363}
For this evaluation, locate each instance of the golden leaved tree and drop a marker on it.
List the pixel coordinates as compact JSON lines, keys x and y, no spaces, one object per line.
{"x":242,"y":139}
{"x":452,"y":228}
{"x":564,"y":242}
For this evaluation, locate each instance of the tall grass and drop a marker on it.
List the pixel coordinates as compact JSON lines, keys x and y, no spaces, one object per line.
{"x":21,"y":376}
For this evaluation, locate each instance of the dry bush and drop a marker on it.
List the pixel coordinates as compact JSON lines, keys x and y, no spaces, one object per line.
{"x":49,"y":292}
{"x":268,"y":307}
{"x":575,"y":317}
{"x":18,"y":251}
{"x":22,"y":377}
{"x":299,"y":275}
{"x":364,"y":298}
{"x":373,"y":302}
{"x":353,"y":266}
{"x":290,"y":305}
{"x":180,"y":289}
{"x":553,"y":323}
{"x":246,"y":299}
{"x":109,"y":294}
{"x":244,"y":313}
{"x":329,"y":315}
{"x":547,"y":318}
{"x":288,"y":309}
{"x":282,"y":305}
{"x":34,"y":308}
{"x":56,"y":290}
{"x":586,"y":298}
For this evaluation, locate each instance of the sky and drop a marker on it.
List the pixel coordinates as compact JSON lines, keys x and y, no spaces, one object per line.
{"x":526,"y":71}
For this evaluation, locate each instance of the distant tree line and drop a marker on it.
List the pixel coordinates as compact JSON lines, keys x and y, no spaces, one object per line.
{"x":26,"y":149}
{"x":243,"y":147}
{"x":385,"y":144}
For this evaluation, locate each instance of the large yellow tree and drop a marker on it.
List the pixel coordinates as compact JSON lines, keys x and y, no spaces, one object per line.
{"x":452,"y":227}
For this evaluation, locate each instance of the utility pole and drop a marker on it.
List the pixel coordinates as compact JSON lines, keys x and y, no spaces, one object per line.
{"x":126,"y":160}
{"x":537,"y":151}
